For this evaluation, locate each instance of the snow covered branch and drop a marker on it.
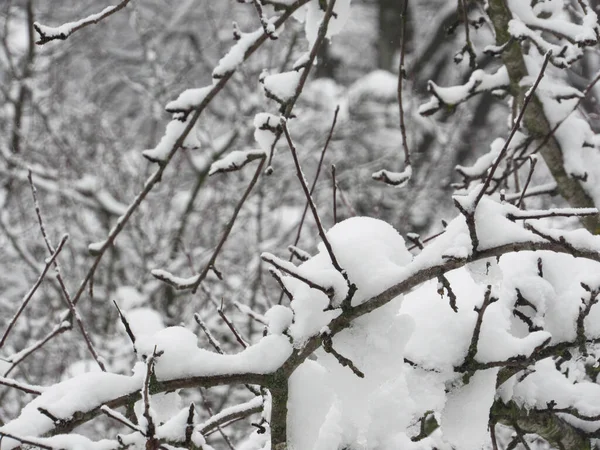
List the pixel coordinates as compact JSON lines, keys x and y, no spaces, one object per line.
{"x":62,"y":32}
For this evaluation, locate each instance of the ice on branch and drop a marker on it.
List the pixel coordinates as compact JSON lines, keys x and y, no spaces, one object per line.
{"x":174,"y":131}
{"x":235,"y":161}
{"x":265,"y":133}
{"x":451,"y":96}
{"x":188,"y":100}
{"x":281,"y":87}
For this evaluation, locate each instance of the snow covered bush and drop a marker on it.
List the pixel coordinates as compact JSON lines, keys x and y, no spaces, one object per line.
{"x":485,"y":335}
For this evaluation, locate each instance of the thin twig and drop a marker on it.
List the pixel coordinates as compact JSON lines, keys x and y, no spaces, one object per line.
{"x":300,"y":175}
{"x":60,"y":280}
{"x":271,"y":259}
{"x":314,"y":183}
{"x":28,"y":388}
{"x":401,"y":77}
{"x":120,"y":418}
{"x":236,"y":333}
{"x":334,"y":188}
{"x":228,"y":227}
{"x":218,"y":425}
{"x":19,"y":357}
{"x":533,"y":162}
{"x":26,"y":441}
{"x":516,"y":126}
{"x":33,"y":289}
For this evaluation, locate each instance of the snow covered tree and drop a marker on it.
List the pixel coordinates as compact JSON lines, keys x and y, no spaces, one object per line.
{"x":484,"y":335}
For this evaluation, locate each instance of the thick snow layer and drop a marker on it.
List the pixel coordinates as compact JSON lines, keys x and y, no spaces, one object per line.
{"x":236,"y":54}
{"x":330,"y":407}
{"x":370,"y":251}
{"x":279,"y":319}
{"x":283,"y":85}
{"x":466,"y":414}
{"x":264,"y":133}
{"x":546,"y":384}
{"x":64,"y":399}
{"x":182,"y":357}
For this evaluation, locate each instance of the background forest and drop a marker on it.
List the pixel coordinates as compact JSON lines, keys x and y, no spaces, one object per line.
{"x":78,"y":117}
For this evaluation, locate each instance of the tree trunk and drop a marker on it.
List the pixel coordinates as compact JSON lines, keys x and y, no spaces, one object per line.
{"x":535,"y":119}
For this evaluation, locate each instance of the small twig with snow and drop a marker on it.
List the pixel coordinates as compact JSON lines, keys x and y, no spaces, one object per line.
{"x":250,"y":313}
{"x":62,"y":32}
{"x":351,"y":286}
{"x":553,"y":212}
{"x":26,"y":441}
{"x":532,"y":163}
{"x":268,"y":27}
{"x":194,"y":282}
{"x":302,"y":255}
{"x":120,"y":418}
{"x":334,"y":196}
{"x":150,"y":428}
{"x":18,"y":357}
{"x":488,"y":299}
{"x":584,"y":311}
{"x":401,"y":77}
{"x":290,"y":269}
{"x":444,"y":284}
{"x":231,"y":414}
{"x":314,"y":183}
{"x":217,"y":425}
{"x":217,"y":345}
{"x":236,"y":333}
{"x":276,"y":274}
{"x":346,"y":362}
{"x":468,"y":47}
{"x":125,"y":323}
{"x":29,"y":388}
{"x":211,"y":338}
{"x":528,"y":96}
{"x":189,"y":425}
{"x":289,"y":105}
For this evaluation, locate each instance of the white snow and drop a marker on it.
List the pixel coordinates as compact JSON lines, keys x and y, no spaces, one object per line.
{"x":236,"y":54}
{"x":182,"y":357}
{"x":466,"y":414}
{"x":283,"y":85}
{"x":173,"y":132}
{"x":265,"y":124}
{"x":235,"y":160}
{"x":189,"y":99}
